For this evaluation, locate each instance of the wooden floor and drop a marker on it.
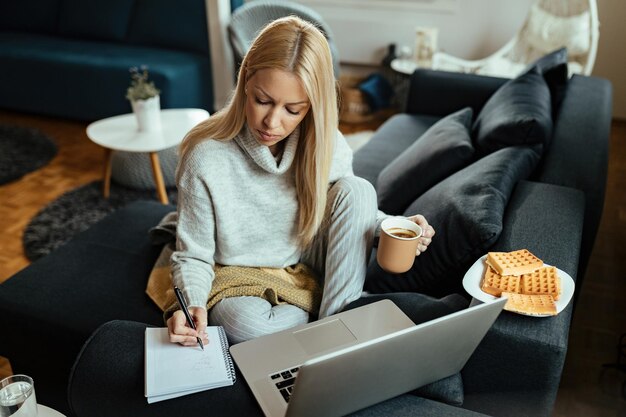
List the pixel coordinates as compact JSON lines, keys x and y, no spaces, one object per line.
{"x":600,"y":315}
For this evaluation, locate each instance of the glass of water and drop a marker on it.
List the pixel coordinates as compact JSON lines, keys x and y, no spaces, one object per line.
{"x":17,"y":397}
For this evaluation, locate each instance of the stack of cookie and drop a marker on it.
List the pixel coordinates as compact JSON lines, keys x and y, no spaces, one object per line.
{"x":531,"y":287}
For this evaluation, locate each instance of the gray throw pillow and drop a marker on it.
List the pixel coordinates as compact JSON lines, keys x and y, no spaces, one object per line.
{"x":466,"y":211}
{"x":421,"y":308}
{"x":518,"y":113}
{"x":442,"y":150}
{"x":553,"y":66}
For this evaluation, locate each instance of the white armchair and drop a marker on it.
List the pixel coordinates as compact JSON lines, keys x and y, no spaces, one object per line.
{"x":550,"y":25}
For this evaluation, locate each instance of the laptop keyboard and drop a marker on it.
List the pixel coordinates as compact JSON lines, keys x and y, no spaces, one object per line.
{"x":284,"y":381}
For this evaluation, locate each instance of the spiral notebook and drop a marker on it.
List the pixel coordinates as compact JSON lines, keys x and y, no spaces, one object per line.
{"x":173,"y":370}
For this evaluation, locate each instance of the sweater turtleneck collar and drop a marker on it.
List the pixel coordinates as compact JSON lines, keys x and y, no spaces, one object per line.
{"x":262,"y":155}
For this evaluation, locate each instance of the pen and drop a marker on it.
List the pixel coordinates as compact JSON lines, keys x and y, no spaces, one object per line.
{"x":183,"y":306}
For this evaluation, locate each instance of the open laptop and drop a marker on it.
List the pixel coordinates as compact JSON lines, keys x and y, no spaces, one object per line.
{"x":358,"y":358}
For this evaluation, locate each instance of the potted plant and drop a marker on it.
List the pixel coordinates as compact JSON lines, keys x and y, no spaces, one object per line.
{"x":144,"y":99}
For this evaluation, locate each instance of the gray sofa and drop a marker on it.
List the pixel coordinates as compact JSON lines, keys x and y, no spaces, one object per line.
{"x":554,"y":213}
{"x":87,"y":306}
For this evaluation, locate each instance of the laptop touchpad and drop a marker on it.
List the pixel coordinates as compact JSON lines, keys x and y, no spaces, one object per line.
{"x":324,"y":336}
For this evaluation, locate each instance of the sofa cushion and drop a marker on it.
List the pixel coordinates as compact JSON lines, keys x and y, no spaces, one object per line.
{"x":421,"y":308}
{"x":177,"y":24}
{"x":518,"y":113}
{"x":466,"y":211}
{"x":547,"y":31}
{"x":554,"y":68}
{"x":38,"y":16}
{"x":95,"y":19}
{"x":393,"y":137}
{"x":441,"y":151}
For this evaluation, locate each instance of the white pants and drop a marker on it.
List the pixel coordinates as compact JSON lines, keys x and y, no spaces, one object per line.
{"x":339,"y":253}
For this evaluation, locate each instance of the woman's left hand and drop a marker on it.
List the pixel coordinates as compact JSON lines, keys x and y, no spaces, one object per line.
{"x":427,"y":233}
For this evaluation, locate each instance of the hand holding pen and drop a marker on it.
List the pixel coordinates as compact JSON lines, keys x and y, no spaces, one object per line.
{"x":187,"y":325}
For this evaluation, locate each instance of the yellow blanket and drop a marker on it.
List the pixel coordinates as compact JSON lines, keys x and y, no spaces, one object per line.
{"x":296,"y":285}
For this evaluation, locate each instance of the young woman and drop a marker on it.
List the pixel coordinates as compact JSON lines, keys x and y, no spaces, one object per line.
{"x":267,"y":183}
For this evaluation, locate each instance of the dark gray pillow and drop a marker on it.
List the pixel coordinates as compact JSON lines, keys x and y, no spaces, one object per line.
{"x":442,"y":150}
{"x":421,"y":308}
{"x":553,"y":67}
{"x":466,"y":212}
{"x":518,"y":113}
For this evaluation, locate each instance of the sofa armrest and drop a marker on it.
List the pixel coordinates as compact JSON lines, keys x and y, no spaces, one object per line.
{"x":577,"y":156}
{"x":439,"y":93}
{"x":108,"y":380}
{"x":517,"y":368}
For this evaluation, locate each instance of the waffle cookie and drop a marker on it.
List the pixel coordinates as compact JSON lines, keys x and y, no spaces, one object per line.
{"x":494,"y":283}
{"x":544,"y":281}
{"x":518,"y":262}
{"x":530,"y":304}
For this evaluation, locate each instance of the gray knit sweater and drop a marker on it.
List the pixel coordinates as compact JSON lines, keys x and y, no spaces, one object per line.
{"x":237,"y":205}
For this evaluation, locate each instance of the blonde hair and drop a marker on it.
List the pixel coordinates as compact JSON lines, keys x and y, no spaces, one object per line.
{"x":297,"y":46}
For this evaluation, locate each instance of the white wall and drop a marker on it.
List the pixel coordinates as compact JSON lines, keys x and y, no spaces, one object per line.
{"x":467,"y":28}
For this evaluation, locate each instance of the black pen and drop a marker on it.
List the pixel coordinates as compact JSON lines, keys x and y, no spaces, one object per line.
{"x":183,"y":306}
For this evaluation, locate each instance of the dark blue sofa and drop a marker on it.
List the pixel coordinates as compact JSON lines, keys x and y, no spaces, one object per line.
{"x":70,"y":58}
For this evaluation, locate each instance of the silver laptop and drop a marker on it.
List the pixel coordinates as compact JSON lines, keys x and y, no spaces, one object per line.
{"x":357,"y":358}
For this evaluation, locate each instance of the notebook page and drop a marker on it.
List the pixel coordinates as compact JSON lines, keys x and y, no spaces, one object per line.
{"x":172,"y":368}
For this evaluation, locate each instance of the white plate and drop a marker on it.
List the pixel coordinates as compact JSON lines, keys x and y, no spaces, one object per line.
{"x":474,"y":275}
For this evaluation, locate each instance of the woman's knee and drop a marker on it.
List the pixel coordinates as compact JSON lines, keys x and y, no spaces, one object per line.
{"x":355,"y":191}
{"x":245,"y":318}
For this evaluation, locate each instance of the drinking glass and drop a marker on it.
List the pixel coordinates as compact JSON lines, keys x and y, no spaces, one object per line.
{"x":17,"y":397}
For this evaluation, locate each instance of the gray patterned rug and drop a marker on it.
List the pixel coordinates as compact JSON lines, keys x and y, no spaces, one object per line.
{"x":23,"y":150}
{"x":76,"y":210}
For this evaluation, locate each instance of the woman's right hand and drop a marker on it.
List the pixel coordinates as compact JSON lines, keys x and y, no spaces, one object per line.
{"x":181,"y":332}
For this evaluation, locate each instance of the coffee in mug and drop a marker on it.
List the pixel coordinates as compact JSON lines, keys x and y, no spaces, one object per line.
{"x":403,"y":233}
{"x":397,"y":246}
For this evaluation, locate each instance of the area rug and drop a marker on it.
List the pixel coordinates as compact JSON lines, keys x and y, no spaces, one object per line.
{"x":23,"y":150}
{"x":74,"y":212}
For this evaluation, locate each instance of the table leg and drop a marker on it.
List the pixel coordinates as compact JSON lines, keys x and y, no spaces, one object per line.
{"x":158,"y":177}
{"x":106,"y":183}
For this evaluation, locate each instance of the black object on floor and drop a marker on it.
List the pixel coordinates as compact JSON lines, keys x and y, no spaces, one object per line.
{"x":76,"y":210}
{"x":23,"y":150}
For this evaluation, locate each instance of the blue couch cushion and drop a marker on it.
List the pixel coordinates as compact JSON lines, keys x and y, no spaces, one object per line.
{"x":39,"y":16}
{"x":79,"y":71}
{"x":441,"y":151}
{"x":518,"y":113}
{"x":95,"y":19}
{"x":177,"y":24}
{"x":466,"y":211}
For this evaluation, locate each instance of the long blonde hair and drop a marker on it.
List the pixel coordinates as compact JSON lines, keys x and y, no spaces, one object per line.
{"x":297,"y":46}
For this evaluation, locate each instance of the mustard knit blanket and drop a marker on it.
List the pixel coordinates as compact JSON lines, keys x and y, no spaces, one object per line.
{"x":296,"y":285}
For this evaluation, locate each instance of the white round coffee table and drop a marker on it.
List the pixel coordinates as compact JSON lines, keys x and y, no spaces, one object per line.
{"x":120,"y":133}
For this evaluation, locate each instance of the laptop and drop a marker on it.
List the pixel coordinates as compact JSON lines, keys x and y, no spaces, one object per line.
{"x":357,"y":358}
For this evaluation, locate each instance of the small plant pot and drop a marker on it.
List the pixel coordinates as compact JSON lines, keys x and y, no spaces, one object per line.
{"x":148,"y":114}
